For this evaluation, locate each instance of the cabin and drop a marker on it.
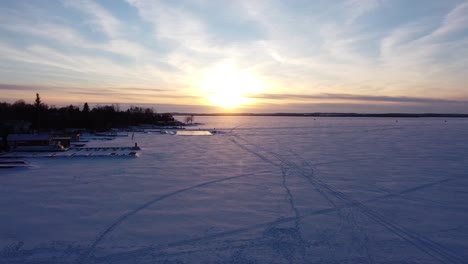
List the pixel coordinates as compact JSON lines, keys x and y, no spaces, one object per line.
{"x":74,"y":133}
{"x":37,"y":142}
{"x":61,"y":141}
{"x":20,"y":140}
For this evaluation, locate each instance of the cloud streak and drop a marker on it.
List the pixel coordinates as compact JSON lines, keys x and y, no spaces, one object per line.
{"x":100,"y":17}
{"x":357,"y":98}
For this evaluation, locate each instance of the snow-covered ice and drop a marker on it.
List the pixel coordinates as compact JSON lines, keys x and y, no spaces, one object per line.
{"x":264,"y":190}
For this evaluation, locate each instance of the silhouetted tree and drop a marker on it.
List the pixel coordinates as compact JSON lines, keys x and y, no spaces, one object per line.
{"x":38,"y":108}
{"x":85,"y":116}
{"x":37,"y":102}
{"x":85,"y":108}
{"x":189,"y":119}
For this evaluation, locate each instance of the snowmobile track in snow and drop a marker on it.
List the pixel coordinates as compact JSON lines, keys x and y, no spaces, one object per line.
{"x":431,"y":248}
{"x":132,"y":253}
{"x":127,"y":215}
{"x":426,"y":245}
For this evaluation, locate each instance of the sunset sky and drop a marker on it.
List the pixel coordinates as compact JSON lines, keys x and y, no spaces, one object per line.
{"x":239,"y":55}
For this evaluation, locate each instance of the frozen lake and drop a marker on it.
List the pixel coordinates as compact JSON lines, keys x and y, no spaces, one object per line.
{"x":266,"y":190}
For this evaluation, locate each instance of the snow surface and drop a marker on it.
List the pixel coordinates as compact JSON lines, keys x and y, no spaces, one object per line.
{"x":264,"y":190}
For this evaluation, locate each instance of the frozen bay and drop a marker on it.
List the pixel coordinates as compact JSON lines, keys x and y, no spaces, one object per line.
{"x":264,"y":190}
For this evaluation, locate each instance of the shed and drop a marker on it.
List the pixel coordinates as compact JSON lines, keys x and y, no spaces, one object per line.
{"x":62,"y":140}
{"x":16,"y":140}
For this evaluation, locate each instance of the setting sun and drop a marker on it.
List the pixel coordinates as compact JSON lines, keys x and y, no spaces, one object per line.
{"x":228,"y":87}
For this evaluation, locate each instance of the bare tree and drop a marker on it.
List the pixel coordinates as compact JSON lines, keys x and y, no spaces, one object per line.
{"x":189,"y":119}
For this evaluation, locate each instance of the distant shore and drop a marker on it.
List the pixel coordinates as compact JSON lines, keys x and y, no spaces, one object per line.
{"x":401,"y":115}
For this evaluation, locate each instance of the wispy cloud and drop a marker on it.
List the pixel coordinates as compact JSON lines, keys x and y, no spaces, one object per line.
{"x":108,"y":95}
{"x":328,"y":97}
{"x":13,"y":87}
{"x":454,"y":22}
{"x":359,"y":8}
{"x":100,"y":17}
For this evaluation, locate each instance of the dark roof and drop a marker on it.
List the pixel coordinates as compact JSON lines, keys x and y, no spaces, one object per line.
{"x":28,"y":137}
{"x":61,"y":138}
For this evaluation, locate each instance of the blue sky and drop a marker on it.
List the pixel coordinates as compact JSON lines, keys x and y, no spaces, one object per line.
{"x":245,"y":55}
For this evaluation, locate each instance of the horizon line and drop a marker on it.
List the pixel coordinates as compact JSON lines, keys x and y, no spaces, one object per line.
{"x":326,"y":114}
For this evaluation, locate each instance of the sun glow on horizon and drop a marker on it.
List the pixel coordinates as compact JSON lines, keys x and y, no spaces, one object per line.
{"x":228,"y":87}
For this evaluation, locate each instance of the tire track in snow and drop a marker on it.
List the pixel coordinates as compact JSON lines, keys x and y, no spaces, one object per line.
{"x":123,"y":255}
{"x":426,"y":245}
{"x":82,"y":258}
{"x":185,"y":242}
{"x":290,"y":164}
{"x":283,"y":165}
{"x":255,"y":243}
{"x":297,"y":215}
{"x":294,"y":234}
{"x":287,"y":165}
{"x":358,"y":234}
{"x":347,"y":217}
{"x":348,"y":204}
{"x":339,"y":161}
{"x":305,"y":163}
{"x":431,"y":248}
{"x":269,"y":157}
{"x":290,"y":198}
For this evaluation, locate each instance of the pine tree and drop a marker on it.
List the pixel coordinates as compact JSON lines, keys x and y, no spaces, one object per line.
{"x":86,"y":108}
{"x":37,"y":102}
{"x":38,"y":105}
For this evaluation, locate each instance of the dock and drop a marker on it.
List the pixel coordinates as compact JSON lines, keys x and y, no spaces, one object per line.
{"x":79,"y":152}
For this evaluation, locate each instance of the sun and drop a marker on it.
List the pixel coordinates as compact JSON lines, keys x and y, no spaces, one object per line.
{"x":228,"y":87}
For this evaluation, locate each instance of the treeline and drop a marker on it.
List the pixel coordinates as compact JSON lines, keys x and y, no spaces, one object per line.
{"x":100,"y":118}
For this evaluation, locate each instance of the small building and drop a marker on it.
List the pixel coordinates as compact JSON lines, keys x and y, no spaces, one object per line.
{"x":37,"y":143}
{"x":61,"y":141}
{"x":74,"y":133}
{"x":19,"y":140}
